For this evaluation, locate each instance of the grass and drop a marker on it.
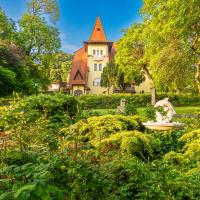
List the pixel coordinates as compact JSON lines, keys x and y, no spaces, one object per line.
{"x":141,"y":111}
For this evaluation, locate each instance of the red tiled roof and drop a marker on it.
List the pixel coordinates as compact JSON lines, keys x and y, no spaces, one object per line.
{"x":79,"y":70}
{"x":98,"y":34}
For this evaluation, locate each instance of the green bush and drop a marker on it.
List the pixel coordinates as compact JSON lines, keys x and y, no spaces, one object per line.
{"x":138,"y":100}
{"x":113,"y":133}
{"x":130,"y":109}
{"x":150,"y":112}
{"x":36,"y":121}
{"x":102,"y":126}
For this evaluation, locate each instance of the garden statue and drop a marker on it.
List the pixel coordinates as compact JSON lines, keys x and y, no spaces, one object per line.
{"x":168,"y":111}
{"x":122,"y":106}
{"x":164,"y":114}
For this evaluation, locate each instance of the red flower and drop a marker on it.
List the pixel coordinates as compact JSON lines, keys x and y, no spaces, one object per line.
{"x":75,"y":145}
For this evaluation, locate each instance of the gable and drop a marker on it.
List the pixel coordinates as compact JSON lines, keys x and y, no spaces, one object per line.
{"x":78,"y":75}
{"x":98,"y":33}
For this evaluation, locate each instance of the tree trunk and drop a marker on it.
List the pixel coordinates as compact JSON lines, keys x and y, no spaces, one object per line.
{"x":197,"y":76}
{"x":153,"y":89}
{"x":108,"y":90}
{"x":153,"y":96}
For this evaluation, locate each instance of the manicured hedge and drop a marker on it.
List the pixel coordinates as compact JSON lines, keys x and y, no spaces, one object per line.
{"x":139,"y":100}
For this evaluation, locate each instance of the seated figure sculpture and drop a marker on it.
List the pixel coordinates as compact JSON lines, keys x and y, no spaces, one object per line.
{"x":168,"y":108}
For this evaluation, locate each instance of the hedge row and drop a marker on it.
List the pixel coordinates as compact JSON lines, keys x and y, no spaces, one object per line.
{"x":139,"y":100}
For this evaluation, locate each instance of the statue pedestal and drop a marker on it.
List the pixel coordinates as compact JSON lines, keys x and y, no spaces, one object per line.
{"x":162,"y":126}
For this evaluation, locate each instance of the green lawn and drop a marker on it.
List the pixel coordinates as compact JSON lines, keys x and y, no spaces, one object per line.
{"x":141,"y":111}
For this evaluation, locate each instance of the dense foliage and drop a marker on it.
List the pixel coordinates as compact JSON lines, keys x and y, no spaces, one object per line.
{"x":51,"y":150}
{"x":30,"y":53}
{"x":137,"y":100}
{"x":113,"y":77}
{"x":165,"y":43}
{"x":46,"y":154}
{"x":39,"y":118}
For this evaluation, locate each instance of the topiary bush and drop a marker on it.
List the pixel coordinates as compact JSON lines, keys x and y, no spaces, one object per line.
{"x":102,"y":126}
{"x":112,"y":133}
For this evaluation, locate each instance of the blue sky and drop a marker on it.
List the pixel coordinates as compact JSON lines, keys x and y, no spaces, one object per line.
{"x":77,"y":18}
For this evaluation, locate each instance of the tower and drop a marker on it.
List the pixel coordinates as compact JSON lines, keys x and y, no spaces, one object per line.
{"x":89,"y":61}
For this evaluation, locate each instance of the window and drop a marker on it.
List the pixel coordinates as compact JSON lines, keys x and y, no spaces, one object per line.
{"x":95,"y":67}
{"x":98,"y":29}
{"x":96,"y":82}
{"x":97,"y":52}
{"x":100,"y":67}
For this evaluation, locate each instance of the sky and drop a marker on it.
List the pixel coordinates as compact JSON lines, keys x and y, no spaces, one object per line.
{"x":77,"y":18}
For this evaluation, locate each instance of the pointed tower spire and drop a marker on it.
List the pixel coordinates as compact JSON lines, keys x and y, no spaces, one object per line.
{"x":98,"y":34}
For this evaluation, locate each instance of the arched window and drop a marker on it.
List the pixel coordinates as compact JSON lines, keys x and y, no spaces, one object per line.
{"x":96,"y":82}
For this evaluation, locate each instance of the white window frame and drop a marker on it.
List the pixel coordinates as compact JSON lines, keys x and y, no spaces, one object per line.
{"x":95,"y":67}
{"x":96,"y":82}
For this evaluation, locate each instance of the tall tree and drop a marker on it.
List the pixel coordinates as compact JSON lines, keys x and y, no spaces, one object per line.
{"x":44,"y":8}
{"x":14,"y":74}
{"x":57,"y":66}
{"x":37,"y":37}
{"x":131,"y":56}
{"x":178,"y":20}
{"x":109,"y":75}
{"x":7,"y":26}
{"x":113,"y":76}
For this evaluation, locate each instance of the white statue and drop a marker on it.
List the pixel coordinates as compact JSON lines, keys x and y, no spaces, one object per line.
{"x":168,"y":108}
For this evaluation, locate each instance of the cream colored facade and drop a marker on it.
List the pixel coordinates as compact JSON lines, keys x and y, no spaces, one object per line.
{"x":88,"y":64}
{"x":144,"y":87}
{"x":92,"y":60}
{"x":78,"y":88}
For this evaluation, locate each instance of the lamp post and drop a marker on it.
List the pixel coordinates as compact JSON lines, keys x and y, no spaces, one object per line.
{"x":36,"y":84}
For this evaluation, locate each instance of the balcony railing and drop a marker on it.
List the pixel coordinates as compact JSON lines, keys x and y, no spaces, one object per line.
{"x":98,"y":58}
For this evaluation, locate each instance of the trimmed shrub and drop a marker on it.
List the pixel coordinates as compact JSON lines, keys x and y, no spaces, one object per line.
{"x":102,"y":126}
{"x":138,"y":100}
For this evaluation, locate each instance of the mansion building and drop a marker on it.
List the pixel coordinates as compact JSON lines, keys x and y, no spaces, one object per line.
{"x":89,"y":61}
